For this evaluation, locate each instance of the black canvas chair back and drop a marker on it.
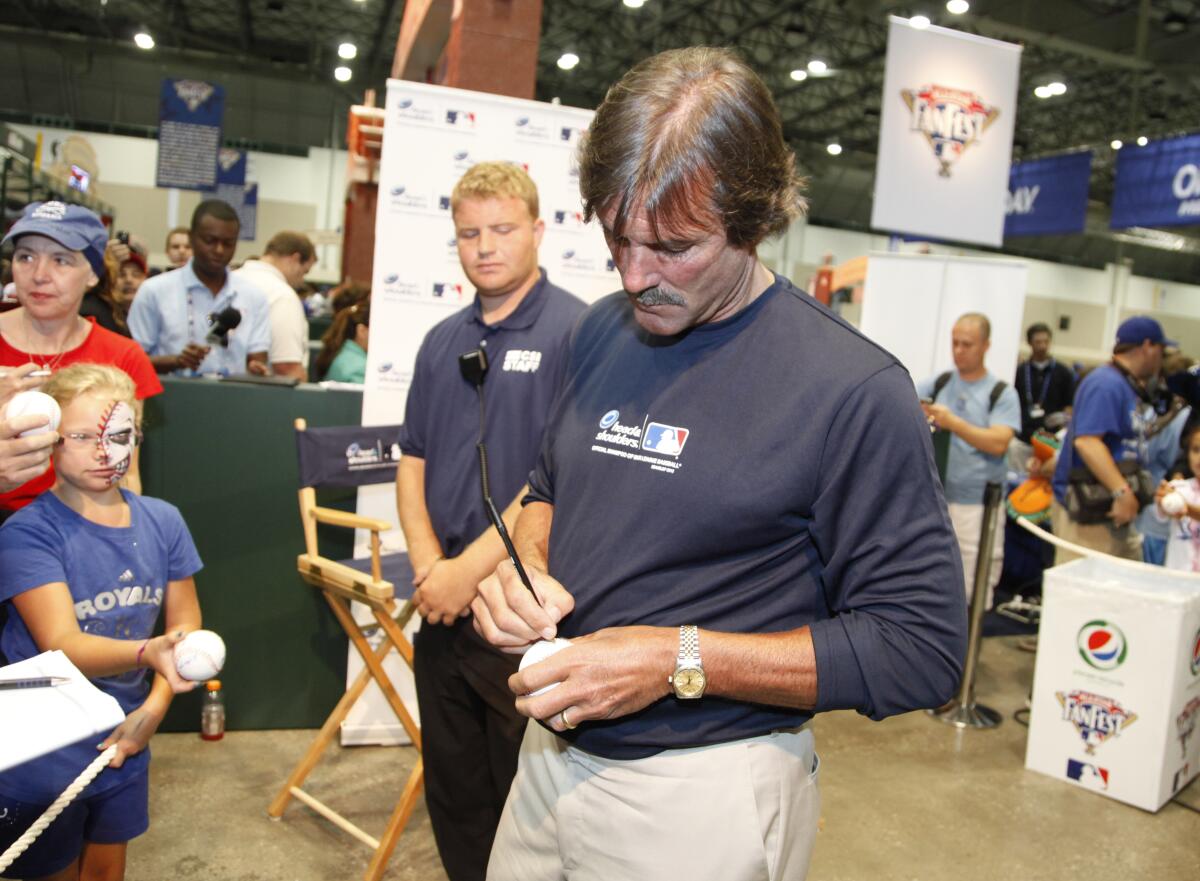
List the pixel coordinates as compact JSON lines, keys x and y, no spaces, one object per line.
{"x":347,"y":455}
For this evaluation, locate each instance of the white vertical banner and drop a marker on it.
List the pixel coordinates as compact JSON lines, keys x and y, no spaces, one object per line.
{"x":432,"y":135}
{"x":911,"y":301}
{"x":945,"y":136}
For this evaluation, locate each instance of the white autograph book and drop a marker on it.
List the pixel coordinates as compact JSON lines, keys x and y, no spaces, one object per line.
{"x":36,"y":721}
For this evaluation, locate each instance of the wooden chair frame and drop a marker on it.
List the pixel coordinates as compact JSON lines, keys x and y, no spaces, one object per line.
{"x":340,"y":585}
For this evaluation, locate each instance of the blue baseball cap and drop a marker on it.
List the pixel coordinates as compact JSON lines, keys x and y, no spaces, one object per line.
{"x":1142,"y":327}
{"x":72,"y":226}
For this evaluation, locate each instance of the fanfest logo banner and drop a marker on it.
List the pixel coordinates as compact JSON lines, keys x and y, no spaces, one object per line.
{"x":1158,"y":185}
{"x":190,"y":117}
{"x":1048,"y":196}
{"x":945,"y":135}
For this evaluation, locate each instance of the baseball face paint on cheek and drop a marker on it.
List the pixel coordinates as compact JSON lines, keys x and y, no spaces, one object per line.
{"x":118,"y":435}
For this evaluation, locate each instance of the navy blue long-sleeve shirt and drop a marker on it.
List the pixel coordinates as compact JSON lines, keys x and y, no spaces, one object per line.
{"x":753,"y":475}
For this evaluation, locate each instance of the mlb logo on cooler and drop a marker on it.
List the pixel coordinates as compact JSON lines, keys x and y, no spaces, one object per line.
{"x":1091,"y":776}
{"x":666,"y":439}
{"x":1195,"y":665}
{"x":460,"y":118}
{"x":1102,"y":645}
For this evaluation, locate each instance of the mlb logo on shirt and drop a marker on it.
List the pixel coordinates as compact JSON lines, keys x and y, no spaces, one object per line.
{"x":665,"y":439}
{"x":1091,"y":776}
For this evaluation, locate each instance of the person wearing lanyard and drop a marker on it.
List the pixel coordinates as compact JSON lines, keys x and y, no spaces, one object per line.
{"x":1043,"y":385}
{"x":185,"y":320}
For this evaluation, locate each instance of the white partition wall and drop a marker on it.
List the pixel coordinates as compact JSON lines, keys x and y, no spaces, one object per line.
{"x":911,"y":301}
{"x":432,"y":135}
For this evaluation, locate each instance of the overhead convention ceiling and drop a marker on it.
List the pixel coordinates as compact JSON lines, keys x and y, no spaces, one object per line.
{"x":1130,"y":66}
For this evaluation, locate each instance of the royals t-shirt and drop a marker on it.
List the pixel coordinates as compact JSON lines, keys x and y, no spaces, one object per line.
{"x":118,"y":579}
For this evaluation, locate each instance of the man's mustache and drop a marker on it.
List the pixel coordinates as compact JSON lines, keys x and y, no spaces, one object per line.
{"x":657,"y":296}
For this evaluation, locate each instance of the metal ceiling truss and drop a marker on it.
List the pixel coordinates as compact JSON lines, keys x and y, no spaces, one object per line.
{"x":1131,"y":66}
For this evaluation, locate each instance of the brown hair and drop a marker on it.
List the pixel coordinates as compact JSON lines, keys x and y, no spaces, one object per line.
{"x":347,"y":294}
{"x":491,"y":180}
{"x":105,"y":291}
{"x":345,"y":323}
{"x":692,"y":135}
{"x":176,"y":231}
{"x":287,"y":243}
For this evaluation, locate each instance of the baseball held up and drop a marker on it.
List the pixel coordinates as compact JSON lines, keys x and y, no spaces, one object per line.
{"x":200,"y":655}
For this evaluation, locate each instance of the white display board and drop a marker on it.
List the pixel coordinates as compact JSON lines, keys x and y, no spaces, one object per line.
{"x":432,"y":135}
{"x":911,"y":301}
{"x":949,"y":107}
{"x":1116,"y":688}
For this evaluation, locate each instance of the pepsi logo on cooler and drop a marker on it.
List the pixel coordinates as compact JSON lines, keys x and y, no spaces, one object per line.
{"x":1102,"y":645}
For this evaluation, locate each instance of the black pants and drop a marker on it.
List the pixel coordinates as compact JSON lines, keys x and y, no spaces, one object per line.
{"x":470,"y":735}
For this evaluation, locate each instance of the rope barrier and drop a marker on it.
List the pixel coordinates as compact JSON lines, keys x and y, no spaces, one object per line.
{"x":1090,"y":552}
{"x":69,"y":794}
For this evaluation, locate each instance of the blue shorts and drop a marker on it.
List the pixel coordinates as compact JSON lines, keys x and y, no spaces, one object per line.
{"x":110,"y":817}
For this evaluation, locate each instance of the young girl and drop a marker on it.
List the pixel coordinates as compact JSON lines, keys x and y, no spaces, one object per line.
{"x":1183,"y":542}
{"x":86,"y":569}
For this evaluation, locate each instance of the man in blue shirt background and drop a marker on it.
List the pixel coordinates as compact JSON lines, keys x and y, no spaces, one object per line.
{"x":471,"y":730}
{"x":1110,"y":424}
{"x":981,"y":422}
{"x":175,"y":314}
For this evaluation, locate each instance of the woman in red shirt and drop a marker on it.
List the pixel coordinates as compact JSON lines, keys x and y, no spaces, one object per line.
{"x":58,"y":256}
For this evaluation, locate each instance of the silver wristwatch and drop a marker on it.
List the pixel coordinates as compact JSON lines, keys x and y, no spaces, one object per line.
{"x":688,"y":679}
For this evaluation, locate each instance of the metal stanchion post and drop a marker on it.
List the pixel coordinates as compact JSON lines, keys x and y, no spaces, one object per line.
{"x":962,"y":711}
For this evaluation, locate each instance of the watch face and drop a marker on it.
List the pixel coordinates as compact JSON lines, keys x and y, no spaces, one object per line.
{"x":689,"y":682}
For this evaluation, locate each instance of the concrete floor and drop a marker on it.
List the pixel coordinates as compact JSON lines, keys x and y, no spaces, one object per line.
{"x":907,"y":799}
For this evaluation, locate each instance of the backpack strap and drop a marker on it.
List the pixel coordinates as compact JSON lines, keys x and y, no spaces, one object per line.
{"x":997,"y":391}
{"x":940,"y":383}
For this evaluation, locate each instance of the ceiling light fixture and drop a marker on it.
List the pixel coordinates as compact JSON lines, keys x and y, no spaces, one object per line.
{"x":568,"y":60}
{"x":342,"y":74}
{"x":1057,"y":88}
{"x":635,"y":4}
{"x":1042,"y":92}
{"x":143,"y":40}
{"x":799,"y":75}
{"x":920,"y":22}
{"x":957,"y":7}
{"x":347,"y":51}
{"x":834,"y":149}
{"x":817,"y":66}
{"x":1143,"y":141}
{"x":1116,"y":143}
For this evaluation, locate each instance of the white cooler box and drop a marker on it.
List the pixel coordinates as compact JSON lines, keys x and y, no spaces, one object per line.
{"x":1116,"y":689}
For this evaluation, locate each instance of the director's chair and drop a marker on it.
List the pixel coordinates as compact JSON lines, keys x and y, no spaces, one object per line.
{"x":350,"y":457}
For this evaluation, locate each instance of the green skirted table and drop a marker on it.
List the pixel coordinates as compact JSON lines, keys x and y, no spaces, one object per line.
{"x":225,"y":455}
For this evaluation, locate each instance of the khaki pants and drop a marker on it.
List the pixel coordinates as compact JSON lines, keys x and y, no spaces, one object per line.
{"x":740,"y":811}
{"x":968,"y":524}
{"x":1124,"y":541}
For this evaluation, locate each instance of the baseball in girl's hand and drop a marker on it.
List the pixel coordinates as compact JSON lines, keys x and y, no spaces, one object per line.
{"x":1174,"y":504}
{"x":200,"y":655}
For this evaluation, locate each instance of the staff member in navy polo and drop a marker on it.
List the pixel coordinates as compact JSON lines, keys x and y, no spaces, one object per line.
{"x":471,"y":729}
{"x":735,"y":517}
{"x":174,"y":312}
